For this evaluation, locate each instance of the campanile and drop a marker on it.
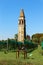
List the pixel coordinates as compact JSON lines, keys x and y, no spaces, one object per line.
{"x":21,"y":27}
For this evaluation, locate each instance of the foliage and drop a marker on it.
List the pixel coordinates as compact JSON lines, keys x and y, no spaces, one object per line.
{"x":29,"y":44}
{"x":41,"y":39}
{"x":35,"y":40}
{"x":19,"y":45}
{"x":8,"y":44}
{"x":42,"y":44}
{"x":12,"y":44}
{"x":38,"y":37}
{"x":28,"y":37}
{"x":16,"y":37}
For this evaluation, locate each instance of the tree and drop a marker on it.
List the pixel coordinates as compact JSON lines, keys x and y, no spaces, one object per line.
{"x":16,"y":37}
{"x":35,"y":40}
{"x":38,"y":36}
{"x":28,"y":37}
{"x":8,"y":43}
{"x":41,"y":38}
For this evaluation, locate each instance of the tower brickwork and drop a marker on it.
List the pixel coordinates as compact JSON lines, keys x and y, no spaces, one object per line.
{"x":21,"y":27}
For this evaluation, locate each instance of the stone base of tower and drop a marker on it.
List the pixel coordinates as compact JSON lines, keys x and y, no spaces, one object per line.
{"x":20,"y":40}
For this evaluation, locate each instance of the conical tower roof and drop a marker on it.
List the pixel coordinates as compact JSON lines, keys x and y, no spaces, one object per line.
{"x":22,"y":13}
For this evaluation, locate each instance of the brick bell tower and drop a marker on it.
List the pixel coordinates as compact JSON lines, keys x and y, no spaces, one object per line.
{"x":21,"y":27}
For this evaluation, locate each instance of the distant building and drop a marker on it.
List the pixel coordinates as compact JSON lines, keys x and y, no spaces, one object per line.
{"x":21,"y":27}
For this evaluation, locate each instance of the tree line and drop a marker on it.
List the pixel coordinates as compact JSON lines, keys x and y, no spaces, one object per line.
{"x":29,"y":43}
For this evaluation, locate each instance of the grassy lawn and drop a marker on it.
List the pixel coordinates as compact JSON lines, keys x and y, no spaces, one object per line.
{"x":33,"y":58}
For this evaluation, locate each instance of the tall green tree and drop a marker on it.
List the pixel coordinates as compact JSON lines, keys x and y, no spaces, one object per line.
{"x":16,"y":37}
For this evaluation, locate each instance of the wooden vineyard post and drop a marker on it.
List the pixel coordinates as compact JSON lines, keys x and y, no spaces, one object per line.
{"x":17,"y":54}
{"x":24,"y":54}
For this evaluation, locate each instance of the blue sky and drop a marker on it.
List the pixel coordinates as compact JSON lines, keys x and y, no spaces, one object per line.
{"x":9,"y":14}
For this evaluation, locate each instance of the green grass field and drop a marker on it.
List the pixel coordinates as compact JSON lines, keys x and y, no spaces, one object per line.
{"x":10,"y":58}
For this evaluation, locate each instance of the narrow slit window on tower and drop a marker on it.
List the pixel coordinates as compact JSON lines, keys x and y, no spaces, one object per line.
{"x":22,"y":22}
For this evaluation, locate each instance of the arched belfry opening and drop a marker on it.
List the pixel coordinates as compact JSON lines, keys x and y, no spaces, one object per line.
{"x":21,"y":27}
